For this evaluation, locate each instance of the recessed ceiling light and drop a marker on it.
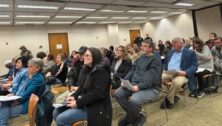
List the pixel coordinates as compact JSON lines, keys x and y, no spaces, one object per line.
{"x":30,"y":22}
{"x":2,"y":23}
{"x":96,"y":17}
{"x":155,"y":18}
{"x":4,"y":16}
{"x":158,"y":12}
{"x":114,"y":11}
{"x":68,"y":16}
{"x":176,"y":13}
{"x":119,"y":17}
{"x":106,"y":22}
{"x":79,"y":9}
{"x":132,"y":11}
{"x":85,"y":22}
{"x":32,"y":16}
{"x":37,"y":7}
{"x":125,"y":22}
{"x":4,"y":5}
{"x":139,"y":18}
{"x":60,"y":22}
{"x":184,"y":4}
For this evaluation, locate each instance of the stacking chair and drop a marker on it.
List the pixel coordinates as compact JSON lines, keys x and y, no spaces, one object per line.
{"x":80,"y":123}
{"x":32,"y":108}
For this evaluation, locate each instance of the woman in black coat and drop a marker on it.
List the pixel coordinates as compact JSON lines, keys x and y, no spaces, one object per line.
{"x":91,"y":101}
{"x":121,"y":65}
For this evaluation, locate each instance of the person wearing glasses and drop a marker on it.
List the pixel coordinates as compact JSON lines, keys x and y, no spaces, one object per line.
{"x":144,"y":77}
{"x":35,"y":84}
{"x":91,"y":101}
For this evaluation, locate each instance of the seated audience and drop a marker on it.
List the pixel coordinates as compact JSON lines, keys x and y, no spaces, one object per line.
{"x":217,"y":54}
{"x":17,"y":86}
{"x":48,"y":63}
{"x":180,"y":67}
{"x":73,"y":74}
{"x":58,"y":72}
{"x":110,"y":54}
{"x":145,"y":79}
{"x":120,"y":67}
{"x":91,"y":101}
{"x":35,"y":83}
{"x":205,"y":64}
{"x":132,"y":53}
{"x":210,"y":42}
{"x":11,"y":69}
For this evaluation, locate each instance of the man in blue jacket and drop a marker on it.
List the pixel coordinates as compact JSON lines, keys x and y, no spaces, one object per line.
{"x":145,"y":79}
{"x":180,"y":67}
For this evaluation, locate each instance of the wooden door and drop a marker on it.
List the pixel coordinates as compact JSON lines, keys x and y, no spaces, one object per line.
{"x":58,"y":43}
{"x":133,"y":34}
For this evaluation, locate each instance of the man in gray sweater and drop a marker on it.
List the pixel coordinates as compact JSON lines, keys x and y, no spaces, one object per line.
{"x":145,"y":79}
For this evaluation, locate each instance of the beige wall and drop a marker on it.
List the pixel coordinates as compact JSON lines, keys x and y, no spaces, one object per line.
{"x":168,"y":28}
{"x":34,"y":36}
{"x":209,"y":20}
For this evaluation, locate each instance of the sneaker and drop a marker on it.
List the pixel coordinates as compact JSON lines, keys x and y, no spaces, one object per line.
{"x":193,"y":94}
{"x":140,"y":120}
{"x":200,"y":94}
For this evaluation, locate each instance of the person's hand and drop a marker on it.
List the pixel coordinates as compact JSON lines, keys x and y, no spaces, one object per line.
{"x":181,"y":73}
{"x":48,"y":74}
{"x":135,"y":88}
{"x":11,"y":94}
{"x":6,"y":86}
{"x":71,"y":104}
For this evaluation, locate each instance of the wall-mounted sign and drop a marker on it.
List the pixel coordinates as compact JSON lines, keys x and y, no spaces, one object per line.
{"x":59,"y":46}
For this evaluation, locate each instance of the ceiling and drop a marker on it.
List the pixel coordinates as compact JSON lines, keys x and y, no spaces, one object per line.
{"x":70,"y":12}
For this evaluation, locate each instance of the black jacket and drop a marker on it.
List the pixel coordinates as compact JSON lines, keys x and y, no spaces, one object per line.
{"x":122,"y":71}
{"x":96,"y":98}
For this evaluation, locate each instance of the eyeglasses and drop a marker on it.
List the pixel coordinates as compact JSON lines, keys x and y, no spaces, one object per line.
{"x":87,"y":56}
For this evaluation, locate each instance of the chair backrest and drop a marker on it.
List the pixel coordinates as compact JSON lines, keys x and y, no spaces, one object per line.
{"x":33,"y":104}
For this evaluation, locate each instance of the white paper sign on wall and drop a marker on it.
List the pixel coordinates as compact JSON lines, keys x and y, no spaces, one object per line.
{"x":59,"y":46}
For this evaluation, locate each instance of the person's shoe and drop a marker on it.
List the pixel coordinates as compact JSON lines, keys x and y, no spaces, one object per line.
{"x":139,"y":121}
{"x":193,"y":94}
{"x":200,"y":94}
{"x":122,"y":121}
{"x":166,"y":104}
{"x":176,"y":99}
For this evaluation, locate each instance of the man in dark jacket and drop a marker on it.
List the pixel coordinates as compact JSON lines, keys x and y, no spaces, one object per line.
{"x":138,"y":40}
{"x":145,"y":79}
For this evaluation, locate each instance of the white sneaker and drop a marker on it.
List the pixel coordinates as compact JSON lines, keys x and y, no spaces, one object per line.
{"x":200,"y":94}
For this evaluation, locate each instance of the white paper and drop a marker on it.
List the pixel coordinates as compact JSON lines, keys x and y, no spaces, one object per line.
{"x":126,"y":84}
{"x":59,"y":46}
{"x":57,"y":105}
{"x":203,"y":69}
{"x":9,"y":98}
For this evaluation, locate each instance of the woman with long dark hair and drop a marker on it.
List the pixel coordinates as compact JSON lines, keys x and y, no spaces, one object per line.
{"x":91,"y":101}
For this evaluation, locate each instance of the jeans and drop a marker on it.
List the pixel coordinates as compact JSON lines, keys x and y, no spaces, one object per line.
{"x":132,"y":102}
{"x":6,"y":111}
{"x":66,"y":117}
